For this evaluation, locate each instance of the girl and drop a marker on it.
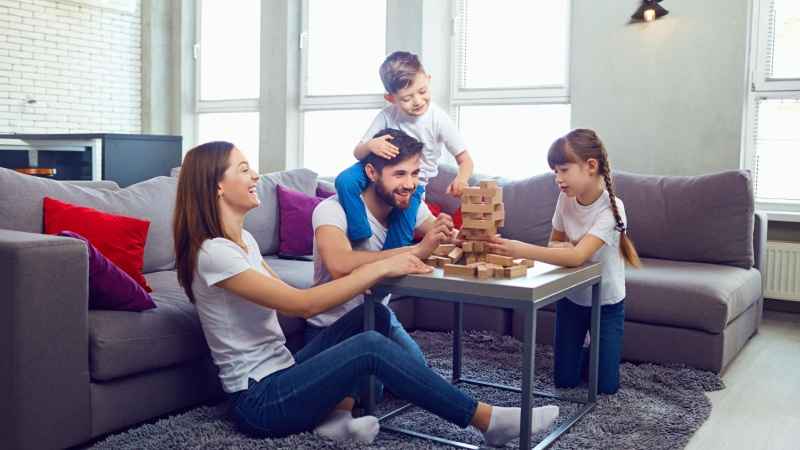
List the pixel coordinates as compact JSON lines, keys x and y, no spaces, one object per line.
{"x":588,"y":225}
{"x":274,"y":393}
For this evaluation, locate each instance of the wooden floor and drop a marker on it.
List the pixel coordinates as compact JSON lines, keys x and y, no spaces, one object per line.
{"x":760,"y":406}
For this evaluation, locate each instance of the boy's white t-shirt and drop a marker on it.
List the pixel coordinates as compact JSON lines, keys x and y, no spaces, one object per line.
{"x":245,"y":339}
{"x":434,"y":129}
{"x":331,"y":212}
{"x":597,"y":219}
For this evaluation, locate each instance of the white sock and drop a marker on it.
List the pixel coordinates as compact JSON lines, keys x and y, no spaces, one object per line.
{"x":504,"y":424}
{"x":341,"y":426}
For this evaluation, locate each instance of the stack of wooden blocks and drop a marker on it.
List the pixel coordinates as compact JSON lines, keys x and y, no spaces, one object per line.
{"x":483,"y":214}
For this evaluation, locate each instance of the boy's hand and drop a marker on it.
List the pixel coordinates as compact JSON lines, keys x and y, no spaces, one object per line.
{"x":456,"y":188}
{"x":505,"y":247}
{"x":382,"y":147}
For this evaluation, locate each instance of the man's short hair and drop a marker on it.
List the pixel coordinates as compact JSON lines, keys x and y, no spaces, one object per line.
{"x":407,"y":147}
{"x":399,"y":70}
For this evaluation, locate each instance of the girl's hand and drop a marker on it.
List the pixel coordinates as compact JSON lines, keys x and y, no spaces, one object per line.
{"x":403,"y":264}
{"x":456,"y":188}
{"x":382,"y":147}
{"x":505,"y":247}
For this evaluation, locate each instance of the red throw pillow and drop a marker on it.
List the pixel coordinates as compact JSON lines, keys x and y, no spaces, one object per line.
{"x":436,"y":209}
{"x":121,"y":239}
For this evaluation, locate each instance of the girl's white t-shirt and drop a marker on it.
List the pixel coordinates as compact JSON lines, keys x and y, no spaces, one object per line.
{"x":245,"y":339}
{"x":597,"y":219}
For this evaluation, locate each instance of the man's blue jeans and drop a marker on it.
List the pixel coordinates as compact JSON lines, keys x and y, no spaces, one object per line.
{"x":402,"y":221}
{"x":570,"y":358}
{"x":327,"y":370}
{"x":397,"y":333}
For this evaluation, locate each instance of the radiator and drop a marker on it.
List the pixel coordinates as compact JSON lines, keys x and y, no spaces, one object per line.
{"x":783,"y":270}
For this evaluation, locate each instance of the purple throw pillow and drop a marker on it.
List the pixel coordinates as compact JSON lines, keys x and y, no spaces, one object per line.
{"x":295,"y":229}
{"x":324,"y":193}
{"x":109,"y":286}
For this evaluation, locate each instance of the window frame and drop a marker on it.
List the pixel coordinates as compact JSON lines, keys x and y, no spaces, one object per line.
{"x":530,"y":95}
{"x":761,"y":86}
{"x":240,"y":105}
{"x":309,"y":103}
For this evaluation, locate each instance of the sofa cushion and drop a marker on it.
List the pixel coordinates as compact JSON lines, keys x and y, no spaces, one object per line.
{"x":152,"y":200}
{"x":110,"y":287}
{"x":706,"y":218}
{"x":296,"y":234}
{"x":529,"y":206}
{"x":689,"y":295}
{"x":262,"y":222}
{"x":124,"y":343}
{"x":117,"y":238}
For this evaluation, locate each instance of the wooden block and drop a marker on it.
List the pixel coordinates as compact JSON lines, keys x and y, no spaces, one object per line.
{"x":505,"y":261}
{"x":469,"y":207}
{"x":472,"y":258}
{"x":523,"y":262}
{"x":455,"y":254}
{"x":488,"y":184}
{"x":459,"y":270}
{"x":477,"y":235}
{"x":484,"y":273}
{"x":479,"y":224}
{"x":497,"y":197}
{"x":444,"y":249}
{"x":467,"y":246}
{"x":479,"y":246}
{"x":437,"y":261}
{"x":515,"y":272}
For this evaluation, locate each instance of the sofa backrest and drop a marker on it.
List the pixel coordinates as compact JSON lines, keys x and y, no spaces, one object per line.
{"x":706,"y":218}
{"x":154,"y":200}
{"x":262,"y":222}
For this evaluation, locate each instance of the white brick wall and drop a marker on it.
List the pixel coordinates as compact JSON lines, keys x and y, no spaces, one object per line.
{"x":79,"y":59}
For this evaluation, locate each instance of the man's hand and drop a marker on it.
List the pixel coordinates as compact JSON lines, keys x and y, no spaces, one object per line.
{"x":382,"y":147}
{"x":456,"y":188}
{"x":402,"y":264}
{"x":440,"y":233}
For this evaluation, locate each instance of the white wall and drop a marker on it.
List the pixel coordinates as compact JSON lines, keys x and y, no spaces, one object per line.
{"x":667,"y":97}
{"x":80,"y":61}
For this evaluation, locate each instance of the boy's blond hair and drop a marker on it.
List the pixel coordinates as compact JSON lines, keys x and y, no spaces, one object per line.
{"x":399,"y":70}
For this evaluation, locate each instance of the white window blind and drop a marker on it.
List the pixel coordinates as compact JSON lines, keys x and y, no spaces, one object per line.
{"x":772,"y":149}
{"x":510,"y":86}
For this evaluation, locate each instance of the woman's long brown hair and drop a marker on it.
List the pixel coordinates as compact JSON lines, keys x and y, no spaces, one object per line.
{"x":583,"y":145}
{"x":196,"y":212}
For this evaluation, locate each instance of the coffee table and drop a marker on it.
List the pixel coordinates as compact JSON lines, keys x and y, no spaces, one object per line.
{"x":543,"y":285}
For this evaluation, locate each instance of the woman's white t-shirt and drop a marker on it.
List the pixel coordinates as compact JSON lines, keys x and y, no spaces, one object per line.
{"x":597,"y":219}
{"x":245,"y":339}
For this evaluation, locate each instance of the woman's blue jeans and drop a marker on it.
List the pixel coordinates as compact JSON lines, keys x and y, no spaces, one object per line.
{"x":298,"y":398}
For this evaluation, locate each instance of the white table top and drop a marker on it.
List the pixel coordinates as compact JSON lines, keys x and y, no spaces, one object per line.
{"x":542,"y":281}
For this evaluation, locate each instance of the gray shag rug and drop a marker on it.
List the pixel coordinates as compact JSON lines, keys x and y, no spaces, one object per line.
{"x":657,"y":407}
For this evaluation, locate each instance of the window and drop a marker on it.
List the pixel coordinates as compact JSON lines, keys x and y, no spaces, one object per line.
{"x":515,"y":104}
{"x":341,"y":89}
{"x":772,"y":144}
{"x":228,"y":86}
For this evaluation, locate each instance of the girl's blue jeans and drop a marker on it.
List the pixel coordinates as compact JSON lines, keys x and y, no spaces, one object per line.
{"x":330,"y":367}
{"x":402,"y":221}
{"x":570,"y":359}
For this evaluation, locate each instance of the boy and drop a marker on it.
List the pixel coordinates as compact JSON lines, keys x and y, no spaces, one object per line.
{"x":411,"y":111}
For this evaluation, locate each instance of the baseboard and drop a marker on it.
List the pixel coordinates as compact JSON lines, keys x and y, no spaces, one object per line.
{"x":782,"y":305}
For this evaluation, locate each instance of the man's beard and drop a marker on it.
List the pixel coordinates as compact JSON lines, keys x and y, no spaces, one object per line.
{"x":388,"y":196}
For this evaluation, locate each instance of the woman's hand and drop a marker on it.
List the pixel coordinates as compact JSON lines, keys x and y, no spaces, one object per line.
{"x":560,"y":244}
{"x":506,"y":247}
{"x":403,"y":264}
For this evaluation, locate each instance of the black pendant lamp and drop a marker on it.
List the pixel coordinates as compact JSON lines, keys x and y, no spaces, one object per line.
{"x":649,"y":11}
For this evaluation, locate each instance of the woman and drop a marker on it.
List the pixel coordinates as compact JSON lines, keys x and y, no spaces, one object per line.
{"x":237,"y":296}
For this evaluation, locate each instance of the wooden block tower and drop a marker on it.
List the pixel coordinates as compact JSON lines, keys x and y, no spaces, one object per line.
{"x":483,"y":214}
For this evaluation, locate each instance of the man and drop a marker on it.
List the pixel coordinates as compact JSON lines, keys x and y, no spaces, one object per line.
{"x":392,"y":182}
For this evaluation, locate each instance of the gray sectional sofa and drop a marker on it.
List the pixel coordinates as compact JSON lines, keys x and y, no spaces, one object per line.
{"x":68,"y":375}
